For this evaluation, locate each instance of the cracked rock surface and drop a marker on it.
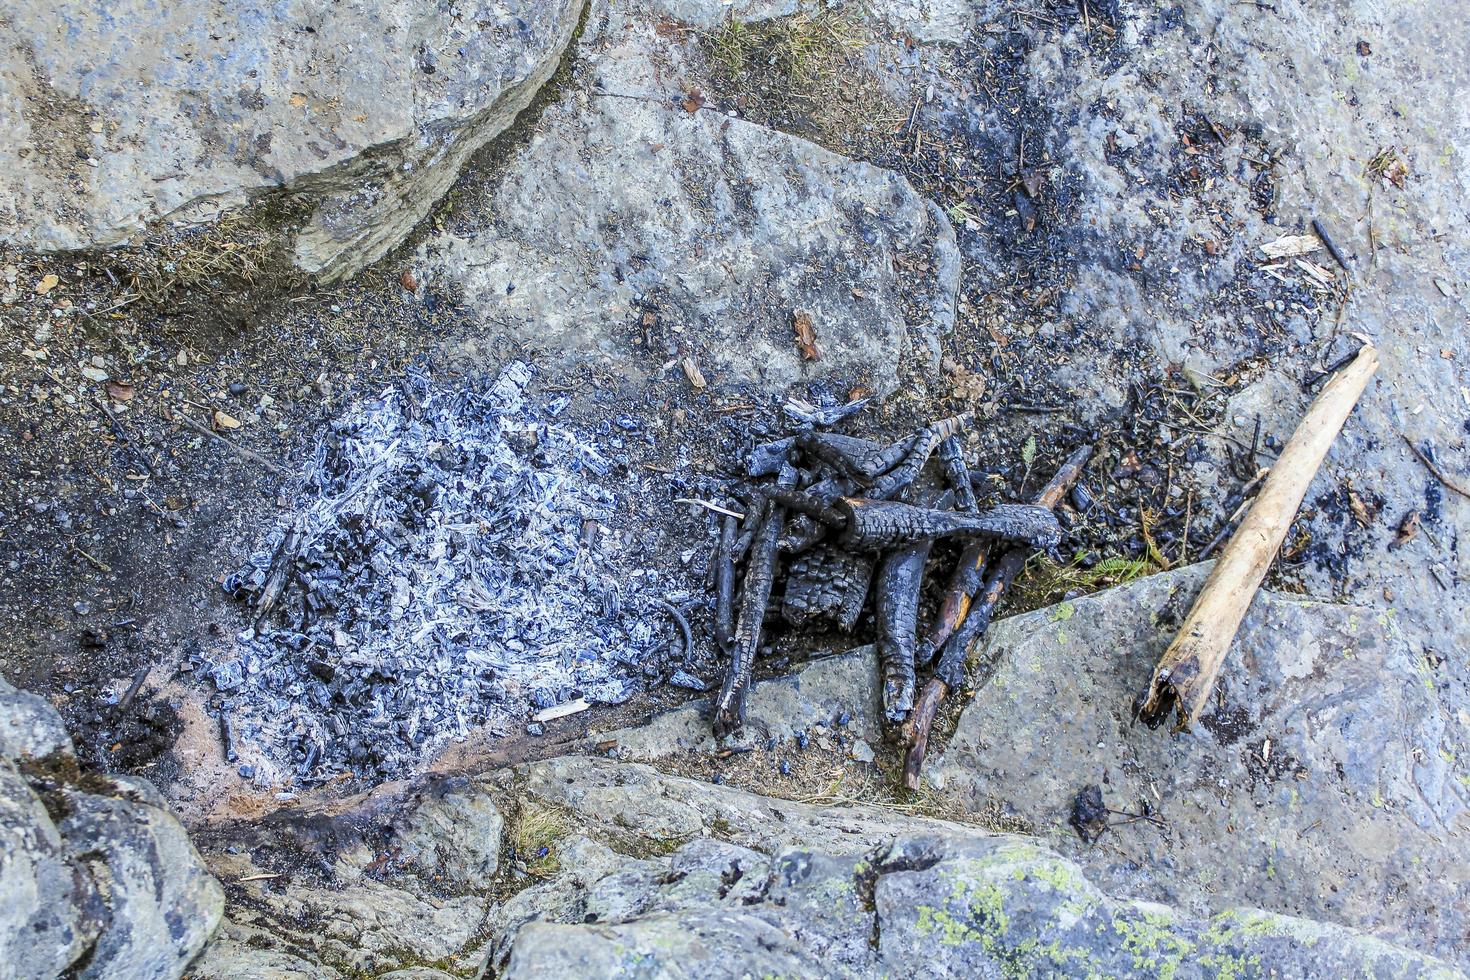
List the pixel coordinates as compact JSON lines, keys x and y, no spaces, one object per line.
{"x":648,"y":874}
{"x":363,"y":113}
{"x":97,"y":878}
{"x":1327,"y":782}
{"x":632,"y":221}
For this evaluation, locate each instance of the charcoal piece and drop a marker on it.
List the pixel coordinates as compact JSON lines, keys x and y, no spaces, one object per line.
{"x":767,"y":458}
{"x":951,"y":454}
{"x":860,"y":459}
{"x":827,"y":583}
{"x":876,"y":525}
{"x":924,"y":444}
{"x":1089,"y":814}
{"x":896,"y":609}
{"x":728,"y":709}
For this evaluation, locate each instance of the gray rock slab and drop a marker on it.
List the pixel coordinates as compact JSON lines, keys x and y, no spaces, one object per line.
{"x":634,"y":226}
{"x":119,"y":116}
{"x":49,"y":914}
{"x":452,"y":835}
{"x":97,"y":878}
{"x":816,"y":693}
{"x":887,"y":894}
{"x":355,"y":923}
{"x":1325,"y":782}
{"x":238,"y":953}
{"x":162,"y":904}
{"x":29,"y":726}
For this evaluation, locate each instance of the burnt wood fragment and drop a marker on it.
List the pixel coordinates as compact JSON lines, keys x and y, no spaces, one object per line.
{"x":861,"y":459}
{"x":896,"y":611}
{"x":952,"y":662}
{"x":827,"y":583}
{"x":878,"y":525}
{"x":725,"y":586}
{"x":951,"y":454}
{"x":925,"y":441}
{"x":728,"y":709}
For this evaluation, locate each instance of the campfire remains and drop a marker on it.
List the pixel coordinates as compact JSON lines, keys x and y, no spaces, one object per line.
{"x":442,"y":572}
{"x":856,"y":522}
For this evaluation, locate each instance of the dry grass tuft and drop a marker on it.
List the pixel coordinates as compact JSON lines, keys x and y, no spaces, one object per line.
{"x":534,"y":836}
{"x":1045,"y":582}
{"x":804,"y":73}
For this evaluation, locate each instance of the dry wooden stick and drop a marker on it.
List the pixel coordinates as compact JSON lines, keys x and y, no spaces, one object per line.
{"x":1186,"y":673}
{"x":974,"y":622}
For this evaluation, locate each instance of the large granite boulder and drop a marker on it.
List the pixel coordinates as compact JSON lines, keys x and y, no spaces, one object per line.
{"x":637,"y":223}
{"x":364,"y":113}
{"x":97,"y":879}
{"x":1326,"y":781}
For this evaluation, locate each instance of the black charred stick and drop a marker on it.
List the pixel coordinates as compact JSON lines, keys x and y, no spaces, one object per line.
{"x":126,"y":701}
{"x":951,"y":667}
{"x":817,"y":506}
{"x":957,"y":474}
{"x":861,"y":459}
{"x":969,"y":571}
{"x":227,"y":736}
{"x":925,"y":442}
{"x":727,"y":713}
{"x":1332,"y":248}
{"x":725,"y":586}
{"x":975,"y":623}
{"x":878,"y":525}
{"x":896,"y":610}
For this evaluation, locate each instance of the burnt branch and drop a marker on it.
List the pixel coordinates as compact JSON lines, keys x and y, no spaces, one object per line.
{"x":728,"y":709}
{"x":725,"y":587}
{"x":876,"y":525}
{"x":950,"y":672}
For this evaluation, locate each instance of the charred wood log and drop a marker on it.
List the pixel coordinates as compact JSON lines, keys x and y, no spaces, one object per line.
{"x":951,"y":664}
{"x":969,"y":573}
{"x":969,"y":570}
{"x":728,"y":709}
{"x":725,"y":587}
{"x":877,"y":525}
{"x":896,"y":610}
{"x":924,"y":444}
{"x":860,"y":459}
{"x":827,"y":583}
{"x":957,"y":474}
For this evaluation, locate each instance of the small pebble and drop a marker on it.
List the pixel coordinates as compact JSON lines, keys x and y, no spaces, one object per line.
{"x":785,"y":768}
{"x":717,"y":778}
{"x":535,"y":728}
{"x":237,"y":389}
{"x":82,"y":608}
{"x":247,"y":772}
{"x":863,"y":752}
{"x":844,"y":718}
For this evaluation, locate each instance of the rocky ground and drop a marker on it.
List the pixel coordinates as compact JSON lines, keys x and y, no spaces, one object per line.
{"x":1052,"y":214}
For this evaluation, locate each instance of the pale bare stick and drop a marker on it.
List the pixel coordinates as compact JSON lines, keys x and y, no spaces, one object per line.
{"x":1186,"y":673}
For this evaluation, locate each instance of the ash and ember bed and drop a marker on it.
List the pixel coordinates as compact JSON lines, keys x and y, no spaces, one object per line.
{"x":441,"y":572}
